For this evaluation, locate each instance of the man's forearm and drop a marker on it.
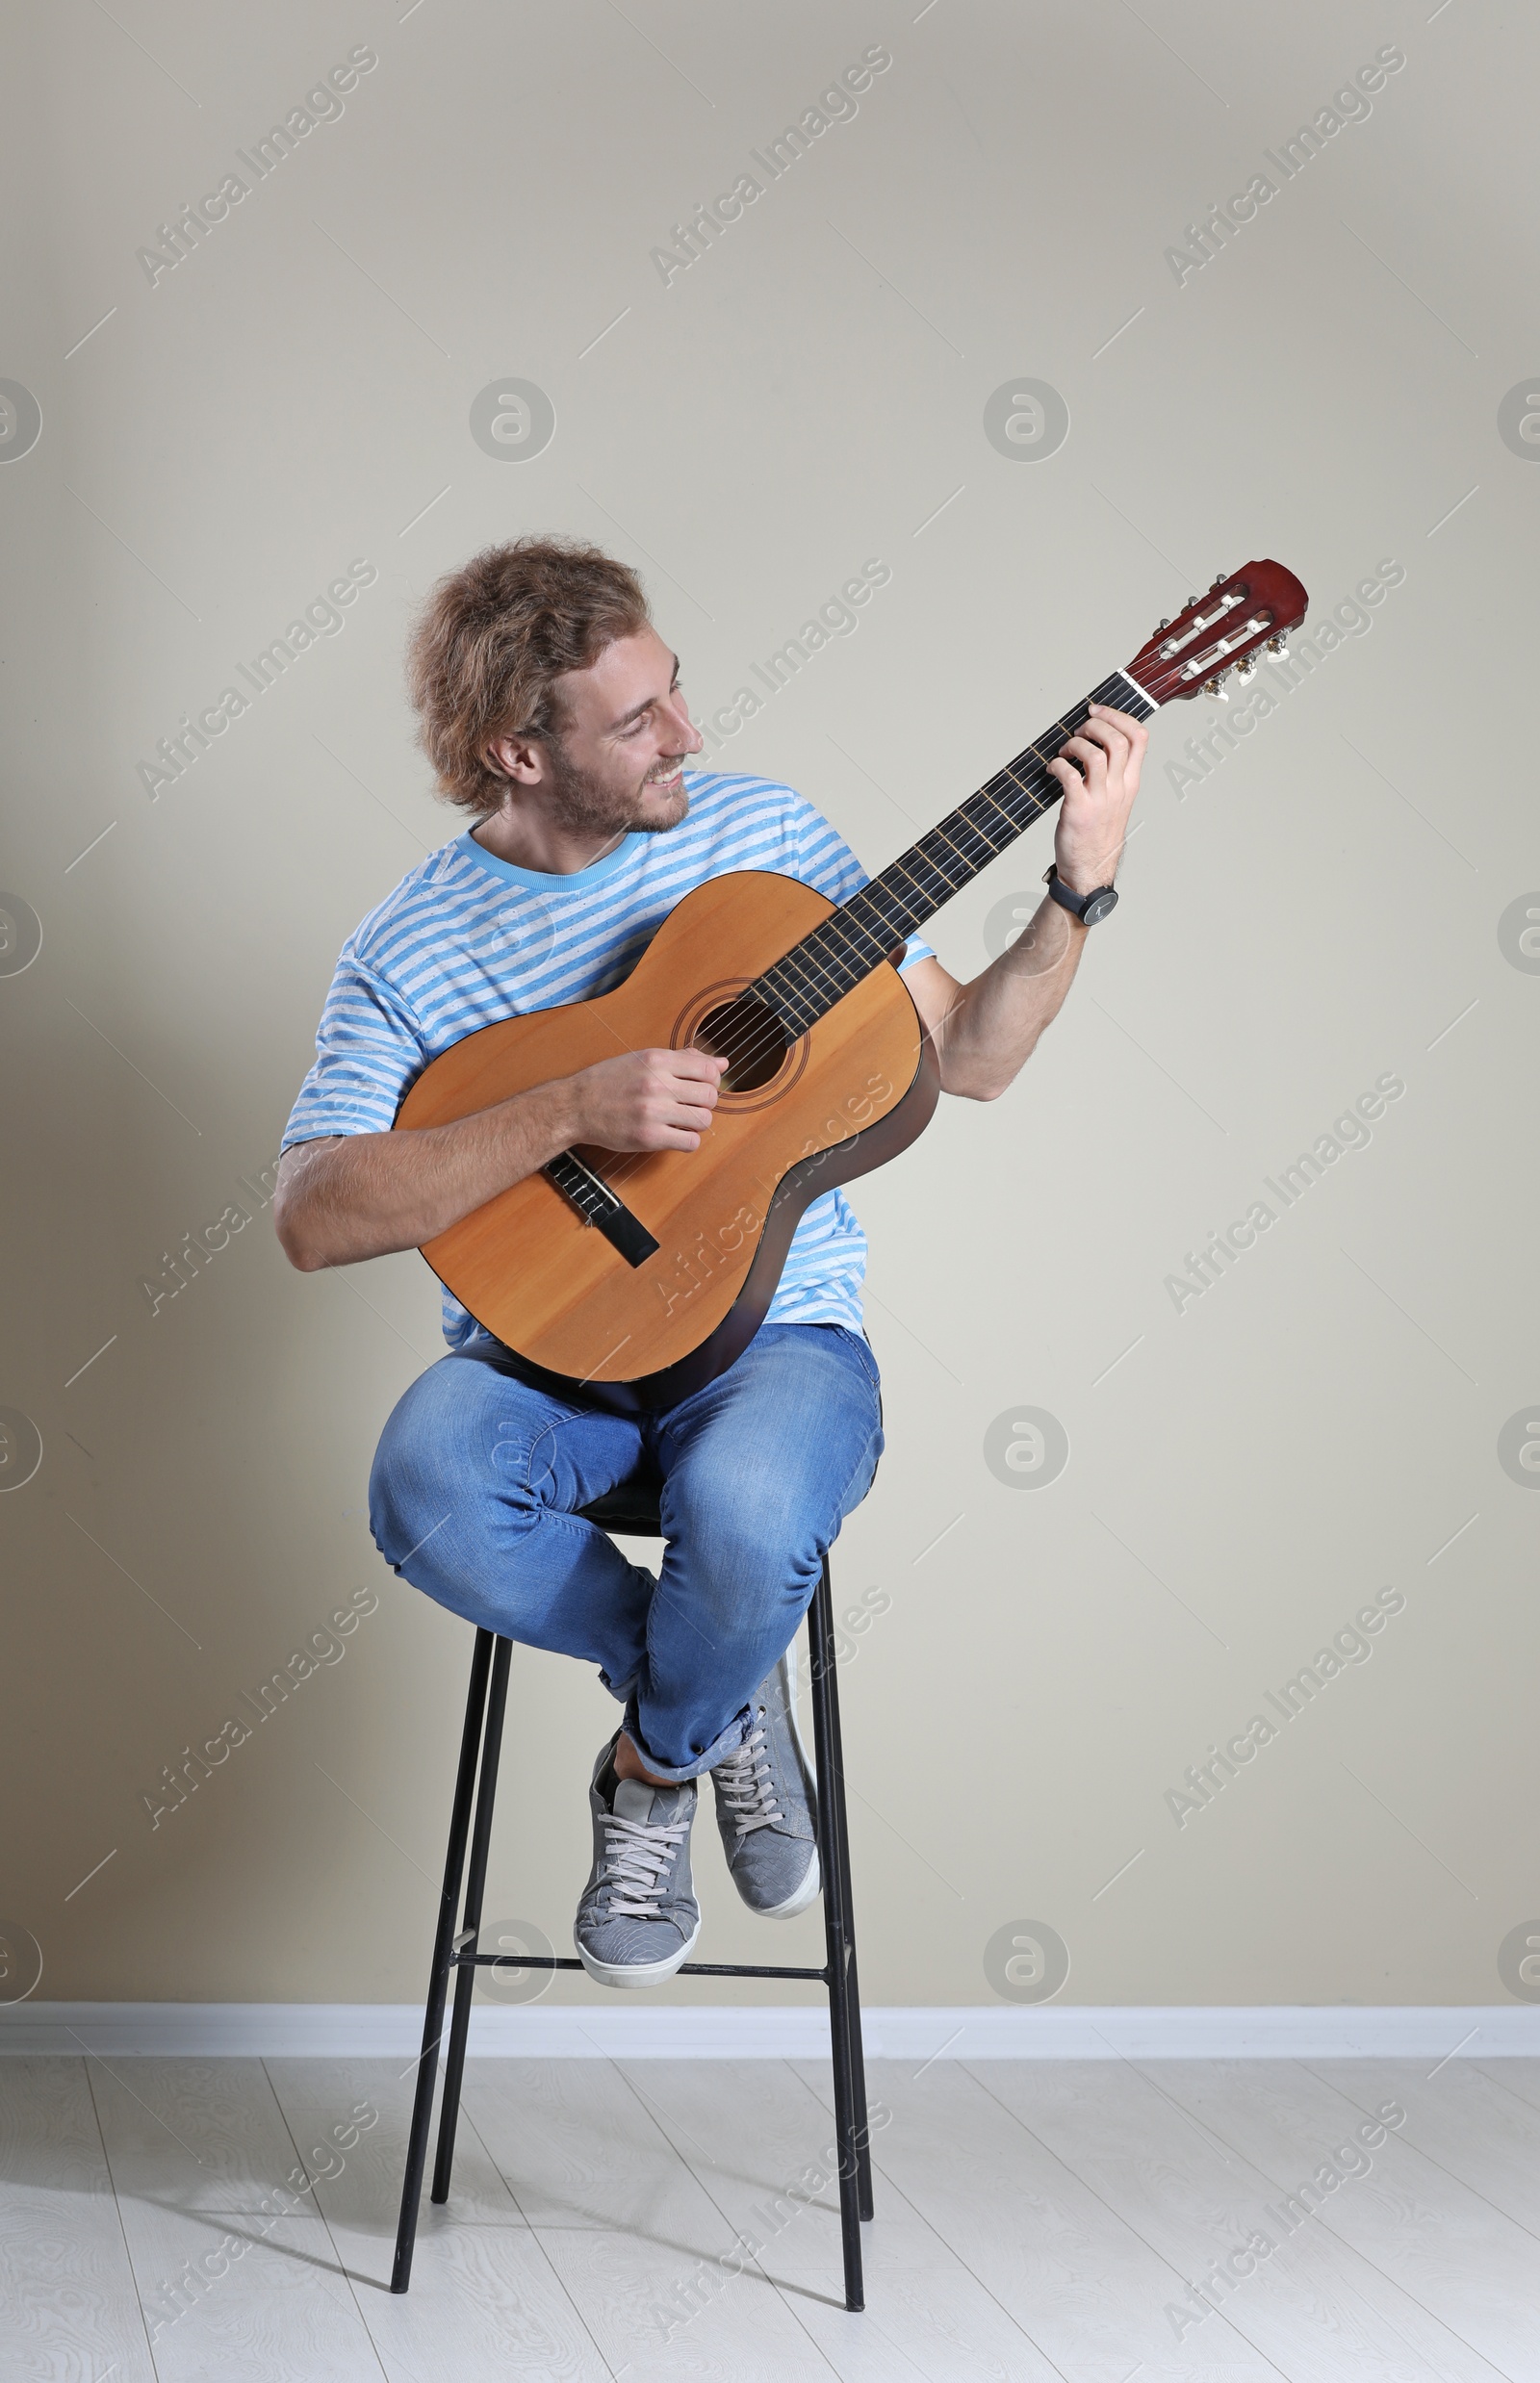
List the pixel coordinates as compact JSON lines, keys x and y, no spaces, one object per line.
{"x":365,"y":1195}
{"x":992,"y":1029}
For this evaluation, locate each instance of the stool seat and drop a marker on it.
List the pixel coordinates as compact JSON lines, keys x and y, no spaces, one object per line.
{"x":632,"y":1508}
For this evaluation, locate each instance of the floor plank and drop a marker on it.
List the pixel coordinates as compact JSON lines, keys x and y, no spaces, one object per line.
{"x":1467,"y":2264}
{"x":1518,"y":2075}
{"x":484,"y":2301}
{"x":234,"y":2266}
{"x":758,"y":2140}
{"x":1465,"y":2118}
{"x":1310,"y":2305}
{"x":634,"y":2239}
{"x":273,"y":2308}
{"x":324,"y":2086}
{"x":1086,"y":2290}
{"x":67,"y":2305}
{"x":194,"y":2133}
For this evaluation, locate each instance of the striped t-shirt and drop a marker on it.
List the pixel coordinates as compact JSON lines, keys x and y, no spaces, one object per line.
{"x":467,"y":938}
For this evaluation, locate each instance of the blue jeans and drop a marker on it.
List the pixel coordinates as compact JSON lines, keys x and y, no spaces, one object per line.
{"x":477,"y":1476}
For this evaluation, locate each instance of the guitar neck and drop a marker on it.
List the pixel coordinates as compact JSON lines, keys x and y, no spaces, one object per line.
{"x":805,"y":984}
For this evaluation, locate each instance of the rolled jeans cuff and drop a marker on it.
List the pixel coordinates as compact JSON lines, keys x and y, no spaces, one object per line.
{"x":725,"y":1743}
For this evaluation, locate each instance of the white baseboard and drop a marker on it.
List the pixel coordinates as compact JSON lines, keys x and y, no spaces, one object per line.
{"x":626,"y":2029}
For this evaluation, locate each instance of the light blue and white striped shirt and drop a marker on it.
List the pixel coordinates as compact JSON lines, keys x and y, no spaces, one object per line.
{"x":466,"y":938}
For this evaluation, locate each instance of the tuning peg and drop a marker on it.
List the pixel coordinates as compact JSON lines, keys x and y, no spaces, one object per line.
{"x":1215,"y":689}
{"x":1247,"y":668}
{"x":1279,"y":644}
{"x":1193,"y":599}
{"x":1219,"y":583}
{"x":1159,"y":624}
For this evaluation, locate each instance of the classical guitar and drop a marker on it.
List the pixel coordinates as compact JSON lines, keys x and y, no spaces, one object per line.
{"x":636,"y":1276}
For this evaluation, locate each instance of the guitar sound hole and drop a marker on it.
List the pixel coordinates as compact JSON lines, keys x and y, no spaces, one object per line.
{"x":744,"y":1032}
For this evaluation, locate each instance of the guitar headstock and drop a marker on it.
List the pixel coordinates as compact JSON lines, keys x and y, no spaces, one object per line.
{"x":1253,"y":608}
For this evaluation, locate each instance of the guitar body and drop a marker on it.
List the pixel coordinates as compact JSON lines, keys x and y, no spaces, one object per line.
{"x":845,"y":1096}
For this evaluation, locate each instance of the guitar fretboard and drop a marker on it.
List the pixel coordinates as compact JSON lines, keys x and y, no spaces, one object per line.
{"x":805,"y":984}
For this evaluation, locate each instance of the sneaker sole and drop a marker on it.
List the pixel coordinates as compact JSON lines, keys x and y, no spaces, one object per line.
{"x":634,"y":1973}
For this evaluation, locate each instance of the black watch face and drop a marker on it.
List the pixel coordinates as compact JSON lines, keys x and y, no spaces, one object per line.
{"x":1099,"y":905}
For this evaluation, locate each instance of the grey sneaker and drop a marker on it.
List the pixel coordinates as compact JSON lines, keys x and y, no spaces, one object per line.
{"x":637,"y":1918}
{"x":767,"y":1805}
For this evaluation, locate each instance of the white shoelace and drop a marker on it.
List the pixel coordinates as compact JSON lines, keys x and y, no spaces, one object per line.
{"x":748,"y":1789}
{"x":636,"y":1854}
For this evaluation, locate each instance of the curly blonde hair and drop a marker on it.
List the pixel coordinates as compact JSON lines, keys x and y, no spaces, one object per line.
{"x":492,"y":640}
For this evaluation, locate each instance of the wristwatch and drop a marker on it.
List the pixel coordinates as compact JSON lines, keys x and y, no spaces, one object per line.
{"x":1086,"y":908}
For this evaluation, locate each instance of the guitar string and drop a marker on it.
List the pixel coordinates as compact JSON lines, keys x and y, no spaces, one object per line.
{"x":818,"y":993}
{"x":758,"y":1039}
{"x":840,"y":922}
{"x":883,"y":936}
{"x":763,"y":1039}
{"x":828,"y":971}
{"x":848,"y":922}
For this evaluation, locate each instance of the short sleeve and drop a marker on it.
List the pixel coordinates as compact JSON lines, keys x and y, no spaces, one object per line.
{"x":369,"y":1052}
{"x":824,"y":858}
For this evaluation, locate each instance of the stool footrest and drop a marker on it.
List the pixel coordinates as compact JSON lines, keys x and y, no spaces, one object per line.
{"x":686,"y":1969}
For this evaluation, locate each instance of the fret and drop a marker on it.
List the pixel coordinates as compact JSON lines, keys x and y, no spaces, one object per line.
{"x":1010,"y":771}
{"x":801,"y":964}
{"x":879,"y":939}
{"x":876,"y":892}
{"x":825,"y":946}
{"x":959,"y":844}
{"x":807,"y":980}
{"x":1015,"y":825}
{"x":827,"y":942}
{"x":793,"y":1021}
{"x":798,"y":989}
{"x":953,"y":883}
{"x":896,"y":868}
{"x":816,"y":949}
{"x":917,"y":857}
{"x":979,"y":835}
{"x":986,"y":830}
{"x":1027,"y":777}
{"x":796,"y":1009}
{"x":962,"y":813}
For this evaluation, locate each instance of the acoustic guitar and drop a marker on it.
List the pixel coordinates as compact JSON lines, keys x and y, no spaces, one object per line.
{"x":628,"y":1279}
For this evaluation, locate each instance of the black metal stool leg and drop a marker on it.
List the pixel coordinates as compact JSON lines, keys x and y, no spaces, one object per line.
{"x":480,"y":1750}
{"x":471,"y":1919}
{"x":821,"y":1634}
{"x":439,"y":1976}
{"x":857,"y":2055}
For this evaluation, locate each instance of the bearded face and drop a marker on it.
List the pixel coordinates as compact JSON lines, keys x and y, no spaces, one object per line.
{"x":618,"y":798}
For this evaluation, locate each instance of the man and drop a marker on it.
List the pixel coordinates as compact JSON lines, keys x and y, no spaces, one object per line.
{"x":554,"y":715}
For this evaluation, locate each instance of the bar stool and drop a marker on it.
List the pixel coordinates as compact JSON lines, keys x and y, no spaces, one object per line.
{"x":632,"y":1510}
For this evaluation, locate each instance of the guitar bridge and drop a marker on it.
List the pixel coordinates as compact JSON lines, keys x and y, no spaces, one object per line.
{"x":598,"y":1205}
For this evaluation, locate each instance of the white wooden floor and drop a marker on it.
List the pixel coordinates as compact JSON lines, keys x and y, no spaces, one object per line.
{"x":1034,"y":2219}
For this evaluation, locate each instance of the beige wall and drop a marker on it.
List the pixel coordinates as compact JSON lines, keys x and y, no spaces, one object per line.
{"x":1316,"y":913}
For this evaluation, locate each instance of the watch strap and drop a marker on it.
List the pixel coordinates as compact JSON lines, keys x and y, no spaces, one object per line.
{"x":1087,"y":908}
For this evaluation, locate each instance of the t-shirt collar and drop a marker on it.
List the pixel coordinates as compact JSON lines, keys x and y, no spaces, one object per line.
{"x":548,"y":882}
